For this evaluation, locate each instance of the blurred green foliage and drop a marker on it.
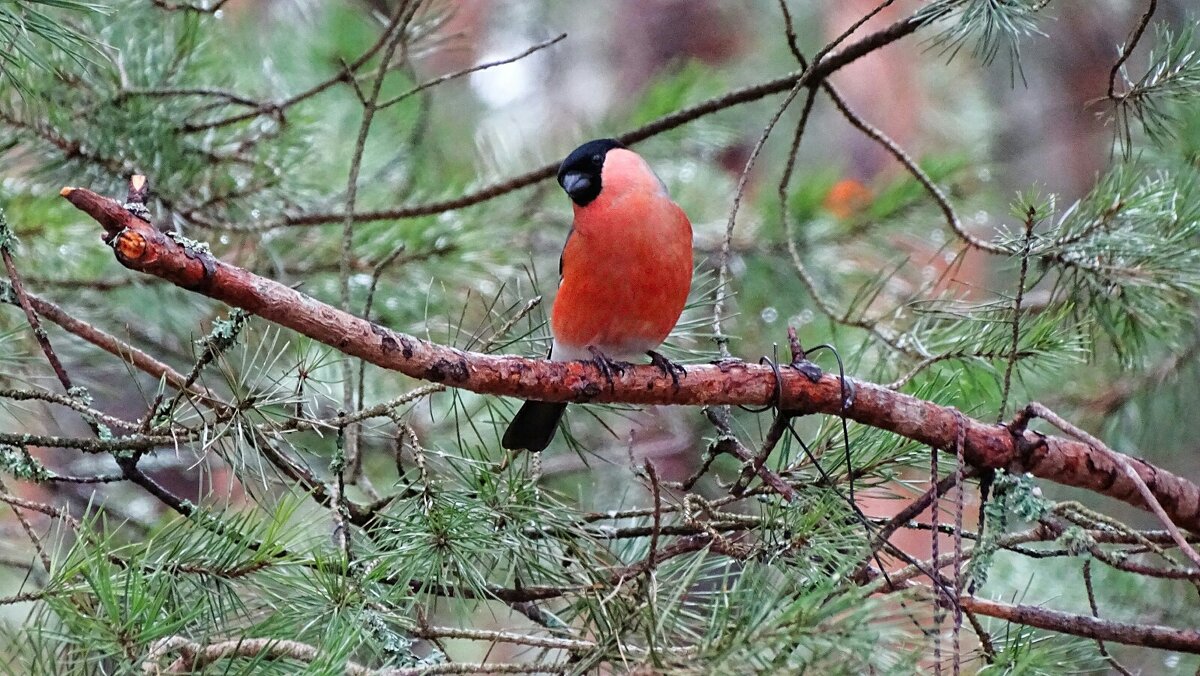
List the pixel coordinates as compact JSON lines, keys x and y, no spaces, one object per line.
{"x":228,"y":115}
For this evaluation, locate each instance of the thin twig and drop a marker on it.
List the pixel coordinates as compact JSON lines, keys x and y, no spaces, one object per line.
{"x":24,"y":597}
{"x":1135,"y":35}
{"x":912,"y":510}
{"x":1146,"y":635}
{"x":188,"y":7}
{"x":473,"y":69}
{"x":396,"y":28}
{"x":195,"y":657}
{"x":721,"y":290}
{"x":354,"y":460}
{"x":109,"y":343}
{"x":1126,"y":385}
{"x":939,"y":611}
{"x":985,"y":639}
{"x":960,"y":466}
{"x":810,"y":284}
{"x":655,"y":494}
{"x":172,"y":92}
{"x":278,"y":108}
{"x":728,"y":443}
{"x":935,"y":192}
{"x":38,"y":332}
{"x":69,"y":402}
{"x":723,"y":262}
{"x":34,"y":538}
{"x":1091,"y":594}
{"x":1026,"y":244}
{"x":1147,"y":495}
{"x":338,"y":509}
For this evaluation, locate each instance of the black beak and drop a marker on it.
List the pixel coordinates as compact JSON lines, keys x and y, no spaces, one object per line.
{"x":576,"y":184}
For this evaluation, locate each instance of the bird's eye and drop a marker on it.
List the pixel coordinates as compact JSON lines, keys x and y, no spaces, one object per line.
{"x":597,"y":159}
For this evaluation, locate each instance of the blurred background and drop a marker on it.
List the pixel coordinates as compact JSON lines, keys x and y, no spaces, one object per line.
{"x":986,"y":127}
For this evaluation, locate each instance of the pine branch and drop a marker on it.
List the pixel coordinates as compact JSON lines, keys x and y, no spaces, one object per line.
{"x":139,"y":246}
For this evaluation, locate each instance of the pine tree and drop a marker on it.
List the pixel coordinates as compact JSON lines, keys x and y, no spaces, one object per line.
{"x":214,"y":465}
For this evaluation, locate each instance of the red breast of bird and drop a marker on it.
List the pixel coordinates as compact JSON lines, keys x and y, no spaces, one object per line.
{"x":626,"y":267}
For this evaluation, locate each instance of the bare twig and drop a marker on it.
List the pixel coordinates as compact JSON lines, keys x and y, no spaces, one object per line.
{"x":1151,"y":502}
{"x":473,"y":69}
{"x":723,"y":265}
{"x":188,"y":7}
{"x":939,"y":611}
{"x":1148,"y":635}
{"x":109,"y":343}
{"x":810,"y":284}
{"x":397,"y":25}
{"x":935,"y":192}
{"x":655,"y":491}
{"x":278,"y":108}
{"x":1026,"y":243}
{"x":722,"y":287}
{"x":49,"y":510}
{"x":913,"y":509}
{"x":960,"y":468}
{"x":1126,"y":385}
{"x":173,"y":92}
{"x":34,"y":538}
{"x":23,"y":299}
{"x":1091,"y":594}
{"x":69,"y":402}
{"x":24,"y":597}
{"x":1135,"y":35}
{"x":728,"y":443}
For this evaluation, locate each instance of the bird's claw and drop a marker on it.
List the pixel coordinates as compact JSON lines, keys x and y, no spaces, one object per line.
{"x":668,"y":367}
{"x":608,"y":367}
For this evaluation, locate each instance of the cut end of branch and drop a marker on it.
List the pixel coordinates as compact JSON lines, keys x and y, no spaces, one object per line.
{"x":107,"y":212}
{"x":130,"y":246}
{"x":139,"y":188}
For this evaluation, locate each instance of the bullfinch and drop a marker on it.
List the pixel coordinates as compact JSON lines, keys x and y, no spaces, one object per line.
{"x":626,"y":271}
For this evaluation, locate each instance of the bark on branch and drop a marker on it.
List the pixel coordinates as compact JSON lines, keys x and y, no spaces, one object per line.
{"x":1150,"y":635}
{"x":141,"y":247}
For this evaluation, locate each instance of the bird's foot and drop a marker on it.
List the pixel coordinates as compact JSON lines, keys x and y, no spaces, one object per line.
{"x":608,"y":367}
{"x":668,"y":367}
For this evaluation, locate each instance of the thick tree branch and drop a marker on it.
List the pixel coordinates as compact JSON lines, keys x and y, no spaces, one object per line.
{"x":139,"y":246}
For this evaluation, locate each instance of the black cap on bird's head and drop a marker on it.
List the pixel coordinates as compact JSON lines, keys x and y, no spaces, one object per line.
{"x":579,"y":174}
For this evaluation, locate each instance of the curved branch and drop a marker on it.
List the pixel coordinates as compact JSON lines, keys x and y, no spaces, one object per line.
{"x":141,"y":247}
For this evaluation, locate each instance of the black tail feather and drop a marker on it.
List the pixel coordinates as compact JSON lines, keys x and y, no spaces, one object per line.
{"x":533,"y":427}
